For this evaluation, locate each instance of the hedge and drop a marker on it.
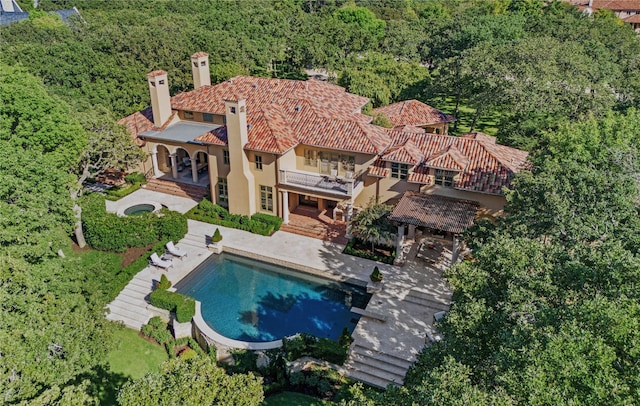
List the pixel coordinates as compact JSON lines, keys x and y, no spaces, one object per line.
{"x":183,"y":306}
{"x":350,"y":250}
{"x":259,"y":223}
{"x":110,"y":232}
{"x":302,"y":345}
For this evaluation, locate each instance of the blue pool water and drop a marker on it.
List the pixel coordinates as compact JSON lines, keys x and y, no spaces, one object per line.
{"x":248,"y":300}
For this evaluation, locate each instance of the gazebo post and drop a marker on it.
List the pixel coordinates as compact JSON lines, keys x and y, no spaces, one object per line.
{"x":455,"y":249}
{"x":399,"y":241}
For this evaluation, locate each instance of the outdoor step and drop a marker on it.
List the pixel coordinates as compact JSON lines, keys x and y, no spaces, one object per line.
{"x":389,"y":359}
{"x":357,"y":358}
{"x":428,"y":295}
{"x":133,"y":324}
{"x":136,"y":290}
{"x":131,"y":300}
{"x":178,"y":189}
{"x":372,"y":370}
{"x":140,"y":283}
{"x":426,"y":301}
{"x":369,"y":379}
{"x":125,"y":311}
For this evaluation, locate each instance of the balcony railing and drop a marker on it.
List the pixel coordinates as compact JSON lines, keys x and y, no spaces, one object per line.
{"x":324,"y":183}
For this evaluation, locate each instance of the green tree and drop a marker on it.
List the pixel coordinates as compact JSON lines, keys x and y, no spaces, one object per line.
{"x":196,"y":381}
{"x":371,"y":224}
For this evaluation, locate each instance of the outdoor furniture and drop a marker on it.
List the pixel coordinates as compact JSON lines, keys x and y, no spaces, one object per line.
{"x":159,"y":263}
{"x":175,"y":251}
{"x":186,"y":161}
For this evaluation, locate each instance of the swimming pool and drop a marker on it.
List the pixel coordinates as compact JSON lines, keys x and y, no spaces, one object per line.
{"x":247,"y":300}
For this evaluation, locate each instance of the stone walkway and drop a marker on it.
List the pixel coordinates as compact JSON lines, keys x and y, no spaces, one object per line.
{"x":386,"y":340}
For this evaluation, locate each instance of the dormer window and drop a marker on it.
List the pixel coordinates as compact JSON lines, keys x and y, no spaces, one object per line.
{"x":399,"y":171}
{"x":188,"y":115}
{"x":444,"y":178}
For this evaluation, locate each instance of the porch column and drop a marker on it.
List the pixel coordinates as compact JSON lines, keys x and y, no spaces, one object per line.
{"x":412,"y":232}
{"x":454,"y":250}
{"x":285,"y":207}
{"x":399,"y":241}
{"x":174,"y":166}
{"x":194,"y":170}
{"x":154,"y":164}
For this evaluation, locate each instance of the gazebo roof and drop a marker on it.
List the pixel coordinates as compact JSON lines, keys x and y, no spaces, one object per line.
{"x":436,"y":212}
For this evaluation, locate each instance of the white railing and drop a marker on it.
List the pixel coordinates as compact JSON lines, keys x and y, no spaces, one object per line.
{"x":326,"y":183}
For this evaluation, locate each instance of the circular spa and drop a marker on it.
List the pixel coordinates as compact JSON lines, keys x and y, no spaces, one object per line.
{"x":140,"y":209}
{"x":251,"y":301}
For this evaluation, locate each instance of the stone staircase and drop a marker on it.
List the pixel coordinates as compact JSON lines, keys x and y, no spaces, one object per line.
{"x":425,"y":299}
{"x":310,"y":222}
{"x":130,"y":306}
{"x":187,"y":190}
{"x":375,"y":368}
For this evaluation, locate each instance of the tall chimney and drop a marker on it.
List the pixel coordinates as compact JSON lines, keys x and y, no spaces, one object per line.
{"x":200,"y":68}
{"x":160,"y":98}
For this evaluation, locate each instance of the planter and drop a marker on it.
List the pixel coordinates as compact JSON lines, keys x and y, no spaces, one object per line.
{"x":215,"y":247}
{"x":181,"y":329}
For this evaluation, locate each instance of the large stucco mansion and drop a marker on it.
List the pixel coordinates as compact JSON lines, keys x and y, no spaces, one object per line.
{"x":270,"y":145}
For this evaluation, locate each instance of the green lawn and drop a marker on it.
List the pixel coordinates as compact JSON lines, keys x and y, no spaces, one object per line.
{"x":294,"y":399}
{"x":134,"y":356}
{"x":488,"y":123}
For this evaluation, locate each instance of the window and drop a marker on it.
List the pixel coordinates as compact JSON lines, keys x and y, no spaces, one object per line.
{"x":225,"y":156}
{"x":266,"y":198}
{"x":153,"y":83}
{"x":232,"y":110}
{"x":223,"y":193}
{"x":161,"y":82}
{"x":207,"y":117}
{"x":203,"y":63}
{"x":399,"y":171}
{"x":444,"y":178}
{"x":348,"y":163}
{"x":259,"y":162}
{"x":310,"y":157}
{"x":188,"y":115}
{"x":195,"y":64}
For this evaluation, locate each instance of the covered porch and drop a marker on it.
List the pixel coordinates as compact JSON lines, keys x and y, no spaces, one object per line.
{"x":429,"y":226}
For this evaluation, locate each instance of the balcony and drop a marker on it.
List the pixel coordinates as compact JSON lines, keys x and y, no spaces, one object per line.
{"x":322,"y":183}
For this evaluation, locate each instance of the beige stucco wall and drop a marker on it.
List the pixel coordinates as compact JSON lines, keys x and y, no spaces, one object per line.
{"x":198,"y":116}
{"x":265,"y":177}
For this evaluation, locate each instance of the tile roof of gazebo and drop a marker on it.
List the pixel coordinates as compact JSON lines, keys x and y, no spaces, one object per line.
{"x":435,"y":212}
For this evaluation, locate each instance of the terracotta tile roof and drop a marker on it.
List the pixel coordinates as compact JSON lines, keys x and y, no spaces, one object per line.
{"x":409,"y":129}
{"x":142,"y":121}
{"x":483,"y":165}
{"x":215,"y":137}
{"x":632,"y":19}
{"x":615,"y":5}
{"x":156,"y":73}
{"x":435,"y":212}
{"x":413,"y":113}
{"x":379,"y":169}
{"x":199,"y":54}
{"x":270,"y":131}
{"x":405,"y":153}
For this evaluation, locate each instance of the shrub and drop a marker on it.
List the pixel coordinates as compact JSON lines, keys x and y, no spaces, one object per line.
{"x":157,"y":329}
{"x":135,"y":177}
{"x":188,"y":341}
{"x":259,"y":223}
{"x":321,"y":348}
{"x":156,"y":322}
{"x":351,"y":250}
{"x":164,"y":283}
{"x":376,"y":275}
{"x":109,"y":232}
{"x":119,"y":192}
{"x":217,"y":237}
{"x":183,"y":306}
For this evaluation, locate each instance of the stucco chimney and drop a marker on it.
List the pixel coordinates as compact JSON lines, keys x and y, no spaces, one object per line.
{"x":200,"y":68}
{"x":240,"y":180}
{"x":160,"y":98}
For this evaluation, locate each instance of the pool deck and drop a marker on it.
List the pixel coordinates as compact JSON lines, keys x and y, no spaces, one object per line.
{"x":393,"y":328}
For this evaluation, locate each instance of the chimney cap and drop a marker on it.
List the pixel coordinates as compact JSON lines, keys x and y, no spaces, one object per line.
{"x":234,"y":97}
{"x":156,"y":73}
{"x":199,"y":55}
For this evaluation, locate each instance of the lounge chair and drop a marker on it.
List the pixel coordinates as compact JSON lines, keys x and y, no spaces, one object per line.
{"x":175,"y":251}
{"x":160,"y":263}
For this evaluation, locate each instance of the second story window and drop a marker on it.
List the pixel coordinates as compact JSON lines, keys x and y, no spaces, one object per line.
{"x":225,"y":156}
{"x":259,"y":162}
{"x":207,"y":117}
{"x":444,"y":178}
{"x":310,"y":157}
{"x":399,"y":171}
{"x":188,"y":115}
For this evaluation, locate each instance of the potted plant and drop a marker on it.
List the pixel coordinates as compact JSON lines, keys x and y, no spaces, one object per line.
{"x":376,"y":275}
{"x":216,"y":245}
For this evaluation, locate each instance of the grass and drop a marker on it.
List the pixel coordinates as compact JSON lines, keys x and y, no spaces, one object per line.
{"x":487,"y":123}
{"x":294,"y":399}
{"x":134,"y":356}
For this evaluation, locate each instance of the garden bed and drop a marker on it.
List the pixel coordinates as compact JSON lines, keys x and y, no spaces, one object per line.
{"x":382,"y":253}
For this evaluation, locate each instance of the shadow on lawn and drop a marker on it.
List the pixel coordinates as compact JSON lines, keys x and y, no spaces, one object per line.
{"x":105,"y":384}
